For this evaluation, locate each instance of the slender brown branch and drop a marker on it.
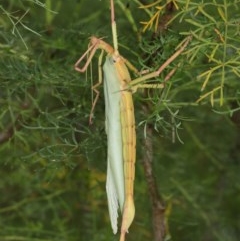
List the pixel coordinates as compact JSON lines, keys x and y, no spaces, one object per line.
{"x":6,"y":134}
{"x":158,"y":206}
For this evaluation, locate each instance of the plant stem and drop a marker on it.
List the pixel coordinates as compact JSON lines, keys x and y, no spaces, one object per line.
{"x":157,"y":203}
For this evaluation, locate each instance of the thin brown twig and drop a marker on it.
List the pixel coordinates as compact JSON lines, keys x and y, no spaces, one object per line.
{"x":158,"y":206}
{"x":7,"y":133}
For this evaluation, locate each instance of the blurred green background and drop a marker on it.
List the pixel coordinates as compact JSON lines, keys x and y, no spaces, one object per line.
{"x":53,"y":163}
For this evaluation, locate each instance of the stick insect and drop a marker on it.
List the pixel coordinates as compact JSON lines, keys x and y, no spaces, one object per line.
{"x":120,"y":121}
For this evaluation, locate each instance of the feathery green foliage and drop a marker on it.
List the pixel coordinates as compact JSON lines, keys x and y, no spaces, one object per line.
{"x":47,"y":146}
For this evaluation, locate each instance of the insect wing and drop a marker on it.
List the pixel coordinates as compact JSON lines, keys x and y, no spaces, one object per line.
{"x":115,"y":174}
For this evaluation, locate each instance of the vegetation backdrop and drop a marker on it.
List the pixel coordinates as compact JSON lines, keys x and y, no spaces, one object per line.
{"x":53,"y":163}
